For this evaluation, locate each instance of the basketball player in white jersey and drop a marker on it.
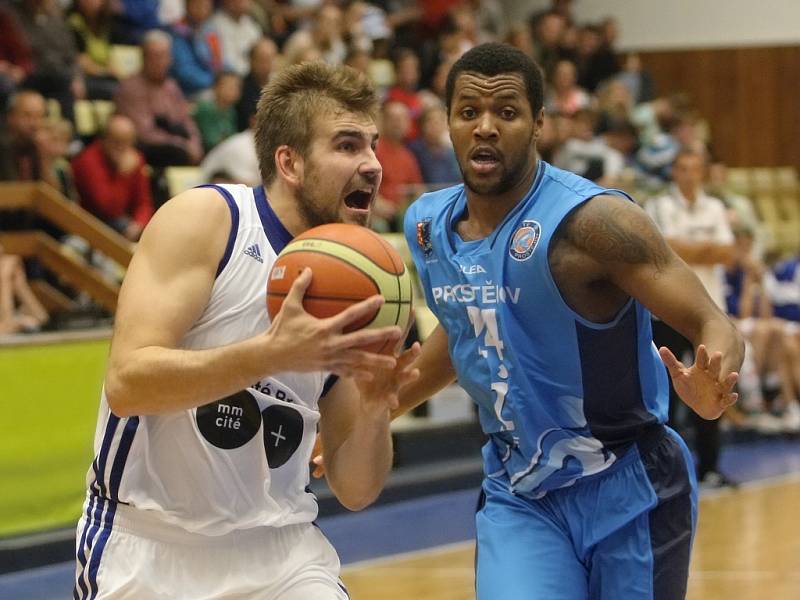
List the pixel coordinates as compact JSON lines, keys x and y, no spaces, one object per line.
{"x":209,"y":411}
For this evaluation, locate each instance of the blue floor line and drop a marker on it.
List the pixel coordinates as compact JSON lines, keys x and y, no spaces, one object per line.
{"x":417,"y":524}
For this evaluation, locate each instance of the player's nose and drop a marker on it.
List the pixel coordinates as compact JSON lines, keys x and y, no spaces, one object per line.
{"x":371,"y":168}
{"x":485,"y":126}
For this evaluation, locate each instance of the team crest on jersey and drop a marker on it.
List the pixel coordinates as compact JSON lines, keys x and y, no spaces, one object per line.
{"x":524,"y":240}
{"x":424,"y":236}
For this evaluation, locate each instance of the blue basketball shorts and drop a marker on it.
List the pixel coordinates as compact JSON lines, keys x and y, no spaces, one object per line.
{"x":625,"y":533}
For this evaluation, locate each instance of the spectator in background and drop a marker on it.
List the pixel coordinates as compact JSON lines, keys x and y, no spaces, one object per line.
{"x":770,"y":352}
{"x":696,"y":227}
{"x":216,"y":118}
{"x":782,"y":286}
{"x":595,"y":58}
{"x":740,"y":209}
{"x":614,"y":104}
{"x":136,"y":18}
{"x":364,"y":25}
{"x":238,"y":32}
{"x":434,"y":94}
{"x":55,"y":72}
{"x":20,"y":309}
{"x":234,"y":160}
{"x":405,"y":87}
{"x":589,"y":156}
{"x":519,"y":36}
{"x":196,"y":49}
{"x":655,"y":159}
{"x":433,"y":149}
{"x":16,"y":62}
{"x":19,"y":155}
{"x":112,"y":179}
{"x":401,"y":174}
{"x":491,"y":18}
{"x":90,"y":21}
{"x":623,"y":137}
{"x":154,"y":102}
{"x":52,"y":142}
{"x":325,"y":35}
{"x":656,"y":116}
{"x":358,"y":59}
{"x":263,"y":57}
{"x":636,"y":78}
{"x":564,"y":96}
{"x":547,"y":30}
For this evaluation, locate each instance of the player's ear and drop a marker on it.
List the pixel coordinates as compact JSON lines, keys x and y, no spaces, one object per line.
{"x":289,"y":164}
{"x":538,"y":123}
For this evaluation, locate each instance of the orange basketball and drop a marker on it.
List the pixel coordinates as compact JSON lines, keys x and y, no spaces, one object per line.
{"x":349,"y":263}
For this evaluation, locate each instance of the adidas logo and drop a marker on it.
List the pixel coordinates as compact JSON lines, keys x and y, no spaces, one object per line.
{"x":254,"y":252}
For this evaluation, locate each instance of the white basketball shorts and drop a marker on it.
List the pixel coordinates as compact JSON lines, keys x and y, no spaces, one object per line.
{"x":139,"y":557}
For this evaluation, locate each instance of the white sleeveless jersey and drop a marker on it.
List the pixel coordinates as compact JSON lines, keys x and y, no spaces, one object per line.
{"x":242,"y":461}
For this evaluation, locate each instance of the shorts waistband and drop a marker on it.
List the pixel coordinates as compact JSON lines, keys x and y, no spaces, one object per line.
{"x":650,"y":437}
{"x":148,"y":524}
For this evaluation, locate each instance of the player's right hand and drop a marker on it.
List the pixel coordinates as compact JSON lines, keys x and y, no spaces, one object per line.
{"x":311,"y":344}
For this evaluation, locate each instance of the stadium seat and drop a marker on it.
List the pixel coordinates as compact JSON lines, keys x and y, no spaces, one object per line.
{"x":91,"y":116}
{"x":180,"y":179}
{"x":125,"y":60}
{"x":762,"y":180}
{"x":739,"y":180}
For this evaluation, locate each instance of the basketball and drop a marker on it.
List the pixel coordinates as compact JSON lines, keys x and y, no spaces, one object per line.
{"x":349,"y":263}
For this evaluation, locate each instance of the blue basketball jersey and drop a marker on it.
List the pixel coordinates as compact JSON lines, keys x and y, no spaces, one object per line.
{"x":560,"y":397}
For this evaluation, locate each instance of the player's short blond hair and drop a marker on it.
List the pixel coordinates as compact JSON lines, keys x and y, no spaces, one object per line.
{"x":293,"y":101}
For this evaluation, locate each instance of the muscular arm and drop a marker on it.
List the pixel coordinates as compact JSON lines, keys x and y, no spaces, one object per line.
{"x":167,"y":288}
{"x":630,"y":252}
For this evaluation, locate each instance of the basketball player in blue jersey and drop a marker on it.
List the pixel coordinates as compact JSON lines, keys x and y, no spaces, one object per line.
{"x":543,"y":283}
{"x":198,"y":489}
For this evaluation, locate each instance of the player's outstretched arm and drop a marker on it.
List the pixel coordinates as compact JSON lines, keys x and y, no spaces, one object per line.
{"x":354,"y":429}
{"x":630,"y":252}
{"x":166,"y":289}
{"x":436,"y":372}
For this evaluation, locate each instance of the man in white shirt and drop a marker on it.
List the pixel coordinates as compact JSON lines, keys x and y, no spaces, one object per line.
{"x":696,"y":227}
{"x":238,"y":32}
{"x":234,"y":160}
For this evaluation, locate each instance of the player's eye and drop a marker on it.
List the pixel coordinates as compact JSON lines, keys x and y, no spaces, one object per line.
{"x":508,"y":113}
{"x":347,"y":146}
{"x":468,"y":113}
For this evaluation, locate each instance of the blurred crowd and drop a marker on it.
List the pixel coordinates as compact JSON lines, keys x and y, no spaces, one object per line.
{"x":188,"y":95}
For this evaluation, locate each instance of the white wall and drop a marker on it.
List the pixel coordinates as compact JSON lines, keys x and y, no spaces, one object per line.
{"x":685,"y":24}
{"x":674,"y":24}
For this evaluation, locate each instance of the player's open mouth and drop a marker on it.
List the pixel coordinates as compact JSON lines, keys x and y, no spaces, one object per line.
{"x":358,"y":199}
{"x":484,"y":159}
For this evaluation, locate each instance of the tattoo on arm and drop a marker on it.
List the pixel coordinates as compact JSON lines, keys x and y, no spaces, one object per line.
{"x":615,"y":230}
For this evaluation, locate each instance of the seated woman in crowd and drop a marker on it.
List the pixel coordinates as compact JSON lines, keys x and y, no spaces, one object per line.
{"x":20,"y":310}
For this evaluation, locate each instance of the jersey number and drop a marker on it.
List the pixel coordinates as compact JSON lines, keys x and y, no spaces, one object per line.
{"x":485,"y":319}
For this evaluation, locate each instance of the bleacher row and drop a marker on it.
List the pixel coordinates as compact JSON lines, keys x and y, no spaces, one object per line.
{"x":775,"y":193}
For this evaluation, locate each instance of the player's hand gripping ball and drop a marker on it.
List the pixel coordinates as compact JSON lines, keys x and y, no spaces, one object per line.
{"x":349,"y":263}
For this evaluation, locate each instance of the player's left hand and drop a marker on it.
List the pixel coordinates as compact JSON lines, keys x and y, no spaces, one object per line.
{"x":385,"y":386}
{"x":702,"y":386}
